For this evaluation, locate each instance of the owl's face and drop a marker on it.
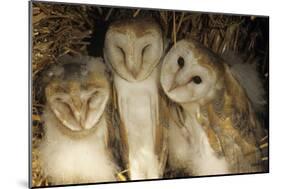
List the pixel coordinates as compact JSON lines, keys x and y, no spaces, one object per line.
{"x":133,"y":48}
{"x":189,"y":73}
{"x":78,"y":98}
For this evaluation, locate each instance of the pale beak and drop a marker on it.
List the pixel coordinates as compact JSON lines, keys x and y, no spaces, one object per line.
{"x":76,"y":107}
{"x":176,"y":85}
{"x":132,"y":66}
{"x":173,"y":86}
{"x":134,"y":73}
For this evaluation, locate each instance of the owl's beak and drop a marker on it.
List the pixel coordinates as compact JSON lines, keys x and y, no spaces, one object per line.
{"x":173,"y":86}
{"x":174,"y":83}
{"x":134,"y":73}
{"x":76,"y":107}
{"x":133,"y":66}
{"x":77,"y":102}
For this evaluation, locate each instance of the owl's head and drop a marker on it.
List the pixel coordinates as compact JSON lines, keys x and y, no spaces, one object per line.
{"x":133,"y":48}
{"x":78,"y":93}
{"x":191,"y":73}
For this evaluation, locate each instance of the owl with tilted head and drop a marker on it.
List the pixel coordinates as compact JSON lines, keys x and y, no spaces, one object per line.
{"x":213,"y":125}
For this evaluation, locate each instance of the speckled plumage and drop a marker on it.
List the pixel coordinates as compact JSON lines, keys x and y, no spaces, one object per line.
{"x":75,"y":147}
{"x":213,"y":128}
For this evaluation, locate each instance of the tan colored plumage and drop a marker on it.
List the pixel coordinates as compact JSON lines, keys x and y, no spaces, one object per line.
{"x":212,"y":115}
{"x":77,"y":129}
{"x":133,"y":49}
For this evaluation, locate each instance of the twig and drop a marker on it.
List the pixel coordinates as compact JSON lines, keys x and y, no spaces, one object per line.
{"x":174,"y":35}
{"x":180,"y":22}
{"x":136,"y":13}
{"x":108,"y":14}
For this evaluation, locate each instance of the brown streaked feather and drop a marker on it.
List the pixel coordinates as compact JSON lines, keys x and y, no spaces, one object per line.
{"x":213,"y":140}
{"x":124,"y":145}
{"x":238,"y":131}
{"x":241,"y":105}
{"x":161,"y":144}
{"x":123,"y":139}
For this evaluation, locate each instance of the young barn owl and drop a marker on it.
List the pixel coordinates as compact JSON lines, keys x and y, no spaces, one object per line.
{"x":75,"y":148}
{"x":133,"y":49}
{"x":213,"y":128}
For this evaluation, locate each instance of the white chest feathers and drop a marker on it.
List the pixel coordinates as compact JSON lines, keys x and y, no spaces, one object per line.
{"x":68,"y":160}
{"x":139,"y":112}
{"x":190,"y":150}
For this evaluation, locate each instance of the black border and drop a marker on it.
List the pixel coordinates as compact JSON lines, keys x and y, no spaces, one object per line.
{"x":145,"y":180}
{"x":30,"y":3}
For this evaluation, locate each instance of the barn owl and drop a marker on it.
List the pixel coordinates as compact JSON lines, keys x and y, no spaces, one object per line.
{"x":75,"y":148}
{"x":213,"y":127}
{"x":133,"y":49}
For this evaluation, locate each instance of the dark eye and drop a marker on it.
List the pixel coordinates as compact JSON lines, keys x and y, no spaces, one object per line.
{"x":181,"y":62}
{"x":197,"y":79}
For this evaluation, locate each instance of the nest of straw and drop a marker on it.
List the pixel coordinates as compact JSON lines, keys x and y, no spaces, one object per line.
{"x":59,"y":29}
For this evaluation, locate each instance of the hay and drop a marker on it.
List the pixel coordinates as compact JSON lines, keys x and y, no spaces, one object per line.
{"x":57,"y":30}
{"x":60,"y":29}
